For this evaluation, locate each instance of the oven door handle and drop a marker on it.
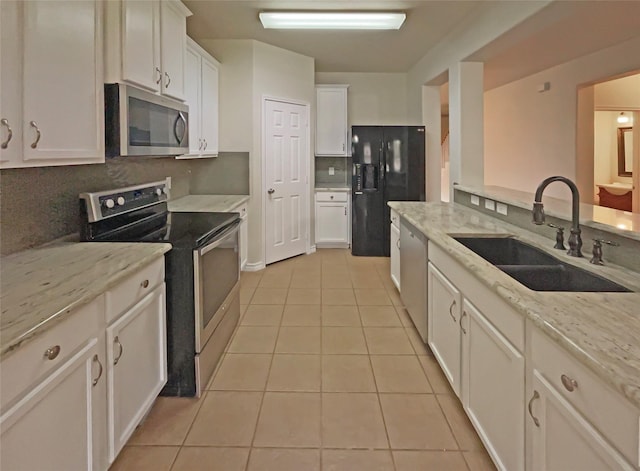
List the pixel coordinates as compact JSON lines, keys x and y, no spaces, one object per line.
{"x":233,"y":227}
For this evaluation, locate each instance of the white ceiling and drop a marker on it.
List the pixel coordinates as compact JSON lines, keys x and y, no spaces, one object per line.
{"x":558,"y":33}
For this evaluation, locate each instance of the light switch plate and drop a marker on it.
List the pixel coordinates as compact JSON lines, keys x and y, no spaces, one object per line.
{"x":332,"y":171}
{"x":475,"y":200}
{"x":490,"y":205}
{"x":501,"y":208}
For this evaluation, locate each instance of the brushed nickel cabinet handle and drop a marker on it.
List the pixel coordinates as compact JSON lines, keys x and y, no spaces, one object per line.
{"x":205,"y":144}
{"x":34,"y":144}
{"x":533,"y":398}
{"x":398,"y":244}
{"x":159,"y":75}
{"x":453,"y":303}
{"x":569,"y":384}
{"x":464,"y":314}
{"x":5,"y":122}
{"x":166,"y":85}
{"x":145,"y":284}
{"x":52,"y":353}
{"x":116,"y":340}
{"x":97,"y":360}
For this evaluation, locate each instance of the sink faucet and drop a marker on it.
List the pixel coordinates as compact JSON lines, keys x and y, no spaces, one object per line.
{"x":575,"y":241}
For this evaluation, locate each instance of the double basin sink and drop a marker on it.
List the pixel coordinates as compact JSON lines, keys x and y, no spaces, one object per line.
{"x":536,"y":269}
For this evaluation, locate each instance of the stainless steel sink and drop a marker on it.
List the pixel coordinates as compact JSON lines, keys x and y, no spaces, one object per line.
{"x":536,"y":269}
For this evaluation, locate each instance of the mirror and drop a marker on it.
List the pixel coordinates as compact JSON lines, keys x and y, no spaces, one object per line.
{"x":625,"y":152}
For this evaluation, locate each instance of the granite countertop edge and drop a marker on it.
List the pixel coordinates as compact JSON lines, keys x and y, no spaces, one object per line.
{"x":600,"y":330}
{"x":30,"y":271}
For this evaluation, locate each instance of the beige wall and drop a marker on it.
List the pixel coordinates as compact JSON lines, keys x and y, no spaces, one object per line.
{"x":530,"y":135}
{"x":622,"y":94}
{"x":373,"y":98}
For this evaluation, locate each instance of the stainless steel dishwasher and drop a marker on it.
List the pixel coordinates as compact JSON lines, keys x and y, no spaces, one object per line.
{"x":413,"y":275}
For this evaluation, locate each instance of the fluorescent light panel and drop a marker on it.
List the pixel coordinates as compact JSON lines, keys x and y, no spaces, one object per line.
{"x":336,"y":20}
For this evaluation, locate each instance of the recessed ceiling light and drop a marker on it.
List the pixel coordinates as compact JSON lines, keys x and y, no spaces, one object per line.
{"x":622,"y":119}
{"x":335,"y":20}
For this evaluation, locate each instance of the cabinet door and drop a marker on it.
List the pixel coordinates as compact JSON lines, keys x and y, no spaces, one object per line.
{"x":562,"y":440}
{"x":56,"y":425}
{"x":331,"y":121}
{"x":493,"y":388}
{"x":395,"y":256}
{"x":141,"y":43}
{"x":444,"y":330}
{"x":332,"y":222}
{"x":63,"y":111}
{"x":173,"y":45}
{"x":137,"y":366}
{"x":413,"y":277}
{"x":209,"y":125}
{"x":10,"y":82}
{"x":193,"y":99}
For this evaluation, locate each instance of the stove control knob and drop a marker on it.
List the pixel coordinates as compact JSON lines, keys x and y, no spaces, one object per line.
{"x":159,"y":191}
{"x":120,"y":201}
{"x":109,"y":203}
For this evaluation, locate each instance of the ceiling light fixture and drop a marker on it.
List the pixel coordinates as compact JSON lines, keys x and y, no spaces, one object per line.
{"x":335,"y":20}
{"x":622,"y":119}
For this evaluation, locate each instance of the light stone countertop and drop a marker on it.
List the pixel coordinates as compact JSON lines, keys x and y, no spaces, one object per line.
{"x":623,"y":223}
{"x":41,"y":286}
{"x":601,"y":330}
{"x":207,"y":203}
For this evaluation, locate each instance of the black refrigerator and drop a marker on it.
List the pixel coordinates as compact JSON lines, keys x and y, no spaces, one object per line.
{"x":388,"y":165}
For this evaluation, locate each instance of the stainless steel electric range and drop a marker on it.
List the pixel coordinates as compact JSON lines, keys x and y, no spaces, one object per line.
{"x":202,"y":272}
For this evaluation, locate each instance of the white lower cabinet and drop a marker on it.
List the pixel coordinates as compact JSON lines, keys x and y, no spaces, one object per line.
{"x":493,"y":387}
{"x":444,"y":331}
{"x":70,"y":402}
{"x":333,"y":217}
{"x":137,"y":366}
{"x":395,"y":255}
{"x":58,"y":421}
{"x":244,"y":235}
{"x":479,"y":342}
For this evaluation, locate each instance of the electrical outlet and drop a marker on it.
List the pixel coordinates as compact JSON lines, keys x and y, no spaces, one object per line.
{"x":475,"y":200}
{"x":490,"y":205}
{"x":501,"y":208}
{"x":332,"y":170}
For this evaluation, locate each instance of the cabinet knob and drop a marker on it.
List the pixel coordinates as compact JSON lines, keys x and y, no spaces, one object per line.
{"x":145,"y":284}
{"x":52,"y":353}
{"x":569,"y":384}
{"x":331,"y":196}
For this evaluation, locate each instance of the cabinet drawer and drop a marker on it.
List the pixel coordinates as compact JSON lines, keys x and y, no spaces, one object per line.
{"x":133,"y":289}
{"x":604,"y":408}
{"x":336,"y":196}
{"x":45,"y":353}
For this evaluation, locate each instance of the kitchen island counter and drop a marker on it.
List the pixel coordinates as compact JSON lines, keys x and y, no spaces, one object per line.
{"x":601,"y":330}
{"x":41,"y":286}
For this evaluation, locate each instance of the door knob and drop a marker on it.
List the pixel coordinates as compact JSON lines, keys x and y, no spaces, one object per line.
{"x":271,"y":191}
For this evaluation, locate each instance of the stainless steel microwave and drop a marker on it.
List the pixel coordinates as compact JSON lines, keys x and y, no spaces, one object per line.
{"x":139,"y":123}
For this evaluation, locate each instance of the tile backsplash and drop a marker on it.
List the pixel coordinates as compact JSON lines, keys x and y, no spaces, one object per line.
{"x":342,"y":169}
{"x":38,"y":205}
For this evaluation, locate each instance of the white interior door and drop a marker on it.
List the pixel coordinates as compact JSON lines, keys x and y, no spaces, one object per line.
{"x":286,"y":155}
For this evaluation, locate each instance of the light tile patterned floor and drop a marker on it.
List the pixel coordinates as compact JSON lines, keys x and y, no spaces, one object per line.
{"x":325,"y":372}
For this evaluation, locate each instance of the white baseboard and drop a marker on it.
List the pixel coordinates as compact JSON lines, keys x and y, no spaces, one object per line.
{"x":254,"y":266}
{"x":333,"y":245}
{"x":312,"y":249}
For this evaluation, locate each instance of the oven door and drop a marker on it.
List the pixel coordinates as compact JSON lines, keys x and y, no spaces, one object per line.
{"x":216,"y":273}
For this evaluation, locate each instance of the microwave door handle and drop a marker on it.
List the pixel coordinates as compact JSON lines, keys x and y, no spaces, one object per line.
{"x":175,"y":127}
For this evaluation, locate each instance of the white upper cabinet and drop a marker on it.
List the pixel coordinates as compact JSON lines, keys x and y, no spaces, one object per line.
{"x":331,"y":120}
{"x":201,"y":91}
{"x":146,"y":44}
{"x":51,"y":99}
